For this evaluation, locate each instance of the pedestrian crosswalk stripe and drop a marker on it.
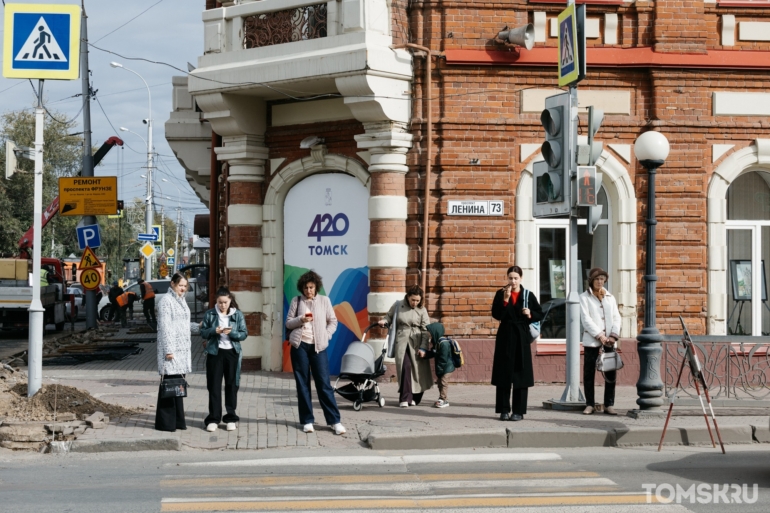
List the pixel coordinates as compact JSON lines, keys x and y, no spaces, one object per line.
{"x":371,"y":503}
{"x":380,"y":460}
{"x":256,"y":481}
{"x":41,"y":45}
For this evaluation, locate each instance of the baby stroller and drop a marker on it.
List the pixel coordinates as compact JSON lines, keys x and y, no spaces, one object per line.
{"x":362,"y":369}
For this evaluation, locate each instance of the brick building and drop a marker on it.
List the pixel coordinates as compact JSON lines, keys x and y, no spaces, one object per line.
{"x":295,"y":95}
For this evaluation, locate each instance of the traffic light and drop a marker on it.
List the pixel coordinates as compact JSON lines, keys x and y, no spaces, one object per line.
{"x":552,"y":177}
{"x":589,"y":153}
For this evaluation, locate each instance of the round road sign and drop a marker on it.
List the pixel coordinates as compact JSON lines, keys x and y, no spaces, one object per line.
{"x":90,"y":279}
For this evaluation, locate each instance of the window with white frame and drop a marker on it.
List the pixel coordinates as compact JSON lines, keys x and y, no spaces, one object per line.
{"x":748,"y":254}
{"x":552,"y":269}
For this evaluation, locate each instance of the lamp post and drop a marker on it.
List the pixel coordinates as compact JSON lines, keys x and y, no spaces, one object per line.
{"x":651,"y":150}
{"x":148,"y":202}
{"x":178,"y":222}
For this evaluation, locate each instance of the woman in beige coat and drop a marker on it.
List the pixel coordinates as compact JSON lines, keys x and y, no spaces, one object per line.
{"x":410,"y":345}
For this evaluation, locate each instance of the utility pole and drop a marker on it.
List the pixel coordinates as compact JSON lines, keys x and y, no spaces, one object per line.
{"x":88,"y":159}
{"x":36,"y":310}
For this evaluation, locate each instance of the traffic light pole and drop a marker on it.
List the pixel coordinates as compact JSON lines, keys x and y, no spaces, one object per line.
{"x":572,"y":397}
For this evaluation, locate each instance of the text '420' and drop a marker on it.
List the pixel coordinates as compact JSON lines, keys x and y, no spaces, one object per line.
{"x":324,"y":225}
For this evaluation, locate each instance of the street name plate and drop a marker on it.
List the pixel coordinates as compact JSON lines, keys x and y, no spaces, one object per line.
{"x":483,"y":208}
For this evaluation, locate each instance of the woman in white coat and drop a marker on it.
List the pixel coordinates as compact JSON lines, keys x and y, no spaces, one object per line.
{"x":174,"y":351}
{"x":601,"y":327}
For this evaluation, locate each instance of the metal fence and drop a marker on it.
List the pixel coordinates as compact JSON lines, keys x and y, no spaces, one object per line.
{"x":287,"y":26}
{"x":735,"y":368}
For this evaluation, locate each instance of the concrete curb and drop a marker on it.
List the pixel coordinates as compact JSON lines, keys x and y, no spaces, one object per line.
{"x":127,"y":444}
{"x":443,"y":440}
{"x":561,"y":437}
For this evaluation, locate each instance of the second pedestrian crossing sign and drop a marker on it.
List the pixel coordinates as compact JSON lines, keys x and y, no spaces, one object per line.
{"x":41,"y":41}
{"x":569,"y":65}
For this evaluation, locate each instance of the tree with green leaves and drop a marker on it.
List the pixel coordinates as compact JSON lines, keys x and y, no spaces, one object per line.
{"x":62,"y":157}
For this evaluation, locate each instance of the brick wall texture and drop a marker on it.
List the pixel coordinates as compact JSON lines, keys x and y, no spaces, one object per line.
{"x":478,"y":114}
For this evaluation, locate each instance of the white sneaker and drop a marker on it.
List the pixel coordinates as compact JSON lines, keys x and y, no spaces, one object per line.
{"x":231,"y":426}
{"x":339,"y":429}
{"x":211,"y":427}
{"x":308,"y":428}
{"x":413,"y":403}
{"x":403,"y":405}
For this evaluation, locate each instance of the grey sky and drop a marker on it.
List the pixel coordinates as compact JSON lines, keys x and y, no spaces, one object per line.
{"x":171,"y":32}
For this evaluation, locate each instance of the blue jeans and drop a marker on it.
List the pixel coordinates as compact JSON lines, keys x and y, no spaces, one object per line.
{"x":305,"y":360}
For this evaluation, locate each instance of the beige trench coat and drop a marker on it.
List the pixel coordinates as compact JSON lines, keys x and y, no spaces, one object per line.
{"x":412,"y":336}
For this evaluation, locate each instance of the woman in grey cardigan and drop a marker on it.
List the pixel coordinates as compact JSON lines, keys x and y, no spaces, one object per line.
{"x":174,"y":344}
{"x":312,"y":322}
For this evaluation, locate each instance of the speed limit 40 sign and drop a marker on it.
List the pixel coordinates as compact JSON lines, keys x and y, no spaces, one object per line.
{"x":90,"y":279}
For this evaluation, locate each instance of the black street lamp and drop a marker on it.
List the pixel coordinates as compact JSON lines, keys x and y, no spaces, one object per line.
{"x":651,"y":150}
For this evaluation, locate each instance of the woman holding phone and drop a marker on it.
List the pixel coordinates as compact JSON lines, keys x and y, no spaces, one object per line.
{"x":223,"y":329}
{"x":512,"y":364}
{"x":310,"y":324}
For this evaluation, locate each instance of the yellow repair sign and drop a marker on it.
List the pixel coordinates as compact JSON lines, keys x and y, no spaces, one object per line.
{"x":88,"y":196}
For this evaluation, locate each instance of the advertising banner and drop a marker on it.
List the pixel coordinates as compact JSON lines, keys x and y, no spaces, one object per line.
{"x":326,"y":229}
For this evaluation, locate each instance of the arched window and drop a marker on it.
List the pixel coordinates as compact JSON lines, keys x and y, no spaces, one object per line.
{"x":748,"y":254}
{"x":552,"y":269}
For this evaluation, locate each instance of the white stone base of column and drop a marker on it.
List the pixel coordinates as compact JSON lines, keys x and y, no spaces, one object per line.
{"x":252,"y":347}
{"x":380,"y":302}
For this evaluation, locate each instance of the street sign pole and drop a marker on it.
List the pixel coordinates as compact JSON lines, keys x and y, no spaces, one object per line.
{"x":88,"y":159}
{"x":36,"y":310}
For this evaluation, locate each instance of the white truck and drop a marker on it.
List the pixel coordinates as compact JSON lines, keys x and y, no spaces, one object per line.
{"x":16,"y":294}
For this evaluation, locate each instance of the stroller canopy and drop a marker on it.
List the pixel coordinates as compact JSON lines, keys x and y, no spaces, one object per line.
{"x":358,"y":359}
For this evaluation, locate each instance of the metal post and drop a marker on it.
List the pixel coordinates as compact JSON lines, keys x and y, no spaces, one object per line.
{"x":572,"y":398}
{"x":649,"y":388}
{"x":148,"y":207}
{"x":36,"y":310}
{"x":176,"y":239}
{"x":88,"y":158}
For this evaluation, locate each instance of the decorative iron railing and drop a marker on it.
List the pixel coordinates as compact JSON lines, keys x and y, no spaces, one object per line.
{"x":288,"y":26}
{"x":732,"y":370}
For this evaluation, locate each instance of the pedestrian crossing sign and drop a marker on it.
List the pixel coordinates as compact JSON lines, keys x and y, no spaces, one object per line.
{"x":41,"y":41}
{"x":569,"y":65}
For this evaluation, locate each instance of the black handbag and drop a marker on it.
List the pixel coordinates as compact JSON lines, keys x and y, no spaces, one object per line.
{"x":174,"y":387}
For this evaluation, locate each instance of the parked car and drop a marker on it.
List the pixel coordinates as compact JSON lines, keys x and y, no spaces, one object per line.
{"x":554,"y":323}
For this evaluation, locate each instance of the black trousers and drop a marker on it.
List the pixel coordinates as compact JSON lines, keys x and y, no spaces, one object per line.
{"x":222,"y":365}
{"x":169,"y":414}
{"x":122,"y":316}
{"x":148,"y":309}
{"x":590,"y":354}
{"x":504,"y":396}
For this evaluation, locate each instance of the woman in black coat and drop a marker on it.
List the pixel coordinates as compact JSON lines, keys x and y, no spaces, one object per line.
{"x":512,"y":365}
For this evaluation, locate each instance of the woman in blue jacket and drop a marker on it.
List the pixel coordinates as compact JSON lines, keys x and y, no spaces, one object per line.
{"x":223,"y":329}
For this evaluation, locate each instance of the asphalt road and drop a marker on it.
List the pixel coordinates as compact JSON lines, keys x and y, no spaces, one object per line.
{"x":320,"y":480}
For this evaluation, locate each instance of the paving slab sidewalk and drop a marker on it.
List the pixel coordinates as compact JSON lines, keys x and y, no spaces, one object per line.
{"x":267,"y":406}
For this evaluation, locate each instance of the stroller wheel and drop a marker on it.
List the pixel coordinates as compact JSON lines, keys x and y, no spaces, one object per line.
{"x":381,"y":402}
{"x":357,"y":406}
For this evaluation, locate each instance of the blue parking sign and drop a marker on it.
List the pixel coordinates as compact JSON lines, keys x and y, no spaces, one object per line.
{"x":89,"y":236}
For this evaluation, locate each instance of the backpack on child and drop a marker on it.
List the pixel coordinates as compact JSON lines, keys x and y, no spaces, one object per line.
{"x":457,"y":354}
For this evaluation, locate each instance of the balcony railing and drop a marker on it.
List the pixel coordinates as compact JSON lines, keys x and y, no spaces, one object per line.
{"x":287,"y":26}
